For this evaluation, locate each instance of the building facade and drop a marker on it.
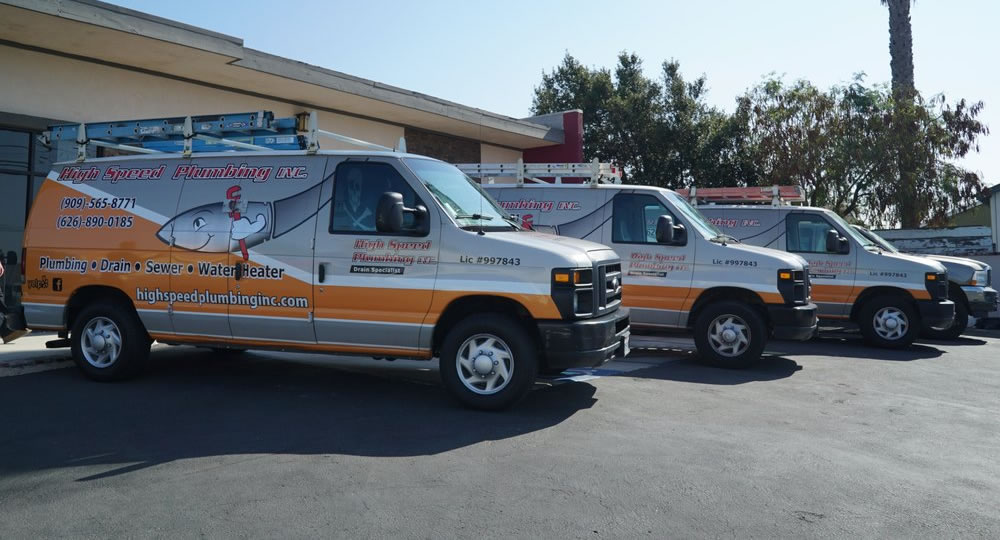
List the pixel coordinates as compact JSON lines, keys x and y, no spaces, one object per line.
{"x":72,"y":61}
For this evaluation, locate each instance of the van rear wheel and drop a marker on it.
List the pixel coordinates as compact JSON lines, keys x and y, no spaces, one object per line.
{"x":889,"y":322}
{"x":488,"y":362}
{"x":108,"y":342}
{"x":730,"y":335}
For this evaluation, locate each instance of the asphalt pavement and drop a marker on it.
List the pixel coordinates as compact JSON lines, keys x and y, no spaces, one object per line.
{"x":826,"y":438}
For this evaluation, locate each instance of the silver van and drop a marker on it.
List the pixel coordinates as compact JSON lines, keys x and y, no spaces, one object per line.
{"x":968,"y":287}
{"x":680,"y":272}
{"x":892,"y":297}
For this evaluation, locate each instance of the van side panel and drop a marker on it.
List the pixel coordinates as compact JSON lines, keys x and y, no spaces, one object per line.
{"x":278,"y":272}
{"x":98,"y":224}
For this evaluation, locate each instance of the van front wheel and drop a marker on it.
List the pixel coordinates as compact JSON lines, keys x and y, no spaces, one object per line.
{"x":488,"y":362}
{"x":730,"y":335}
{"x":109,"y":342}
{"x":889,"y":322}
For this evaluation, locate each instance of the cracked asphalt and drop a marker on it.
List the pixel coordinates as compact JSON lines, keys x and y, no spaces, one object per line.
{"x":824,"y":439}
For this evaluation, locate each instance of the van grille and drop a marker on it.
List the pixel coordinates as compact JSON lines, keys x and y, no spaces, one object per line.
{"x":612,"y":280}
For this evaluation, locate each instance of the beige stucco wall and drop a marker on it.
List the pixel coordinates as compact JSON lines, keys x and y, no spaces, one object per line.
{"x":498,"y":154}
{"x":50,"y":86}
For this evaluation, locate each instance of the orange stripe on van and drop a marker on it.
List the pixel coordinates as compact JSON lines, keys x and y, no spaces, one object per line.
{"x":540,"y":306}
{"x":837,"y":294}
{"x":676,"y":298}
{"x":410,"y":305}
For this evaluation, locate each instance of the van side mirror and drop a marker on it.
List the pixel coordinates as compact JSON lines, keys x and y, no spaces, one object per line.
{"x":667,"y":232}
{"x":389,"y":215}
{"x":836,"y":243}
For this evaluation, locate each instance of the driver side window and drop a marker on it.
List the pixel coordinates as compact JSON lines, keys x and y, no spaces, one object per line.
{"x":357,"y":188}
{"x":806,"y":234}
{"x":634,"y":218}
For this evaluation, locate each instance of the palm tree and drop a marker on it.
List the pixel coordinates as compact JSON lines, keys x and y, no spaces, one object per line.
{"x":903,"y":93}
{"x":900,"y":48}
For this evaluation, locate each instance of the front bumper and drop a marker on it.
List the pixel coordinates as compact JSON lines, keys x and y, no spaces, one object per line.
{"x":793,"y":322}
{"x":936,"y":314}
{"x":982,"y":300}
{"x":586,"y":342}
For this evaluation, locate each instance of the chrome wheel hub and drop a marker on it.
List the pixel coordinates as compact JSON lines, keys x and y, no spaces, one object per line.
{"x":890,"y":323}
{"x":101,"y":342}
{"x":484,"y":364}
{"x":729,"y":335}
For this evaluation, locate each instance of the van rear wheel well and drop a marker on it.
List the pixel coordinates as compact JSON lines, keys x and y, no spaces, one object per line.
{"x":85,"y":296}
{"x":463,"y":307}
{"x":718,"y":294}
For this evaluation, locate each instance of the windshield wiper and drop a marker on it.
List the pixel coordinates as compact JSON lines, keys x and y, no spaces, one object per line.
{"x":724,"y":238}
{"x":474,"y":216}
{"x":512,"y":222}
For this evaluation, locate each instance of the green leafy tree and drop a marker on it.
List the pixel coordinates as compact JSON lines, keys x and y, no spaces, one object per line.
{"x":834,"y":144}
{"x":660,"y":133}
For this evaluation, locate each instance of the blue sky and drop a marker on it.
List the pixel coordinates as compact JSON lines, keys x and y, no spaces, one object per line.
{"x":491,"y":55}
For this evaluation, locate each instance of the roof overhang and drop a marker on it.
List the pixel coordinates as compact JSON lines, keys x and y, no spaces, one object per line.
{"x":96,"y":31}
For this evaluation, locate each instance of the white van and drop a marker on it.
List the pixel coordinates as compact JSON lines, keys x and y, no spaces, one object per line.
{"x":968,"y":287}
{"x":680,"y":272}
{"x":373,"y":253}
{"x":890,"y":296}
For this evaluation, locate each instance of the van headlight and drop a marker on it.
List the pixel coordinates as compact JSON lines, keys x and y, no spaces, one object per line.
{"x":980,"y":278}
{"x":573,"y":291}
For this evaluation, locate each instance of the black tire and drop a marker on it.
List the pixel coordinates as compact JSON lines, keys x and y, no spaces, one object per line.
{"x":881,"y":337}
{"x":958,"y":326}
{"x":523,"y":361}
{"x":754,"y":331}
{"x":132,"y":352}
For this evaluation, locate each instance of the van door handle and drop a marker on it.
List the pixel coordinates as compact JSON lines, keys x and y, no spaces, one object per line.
{"x":238,"y":271}
{"x":322,"y":272}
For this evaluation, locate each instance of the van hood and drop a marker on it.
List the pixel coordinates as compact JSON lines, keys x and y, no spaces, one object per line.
{"x":578,"y":252}
{"x":960,"y":270}
{"x":782,"y":259}
{"x":928,"y":264}
{"x":957,"y":262}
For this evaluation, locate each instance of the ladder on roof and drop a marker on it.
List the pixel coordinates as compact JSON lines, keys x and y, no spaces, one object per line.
{"x":774,"y":195}
{"x":592,"y":173}
{"x":255,"y":131}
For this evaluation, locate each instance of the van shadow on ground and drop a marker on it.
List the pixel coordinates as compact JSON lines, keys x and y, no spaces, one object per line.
{"x":852,"y":345}
{"x":687,"y":368}
{"x":190,"y":404}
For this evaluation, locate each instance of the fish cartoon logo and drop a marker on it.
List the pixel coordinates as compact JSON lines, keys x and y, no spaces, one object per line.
{"x":236,"y":226}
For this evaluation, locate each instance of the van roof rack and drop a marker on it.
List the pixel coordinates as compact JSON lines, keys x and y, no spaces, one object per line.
{"x":255,"y":131}
{"x":774,"y":195}
{"x":592,"y":173}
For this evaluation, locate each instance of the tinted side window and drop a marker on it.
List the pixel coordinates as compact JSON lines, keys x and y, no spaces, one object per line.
{"x":806,"y":234}
{"x":357,"y":188}
{"x":634,"y":218}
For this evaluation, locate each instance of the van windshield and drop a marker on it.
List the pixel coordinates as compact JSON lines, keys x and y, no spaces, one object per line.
{"x":879,"y":241}
{"x":692,"y":214}
{"x":460,"y":196}
{"x":849,"y":230}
